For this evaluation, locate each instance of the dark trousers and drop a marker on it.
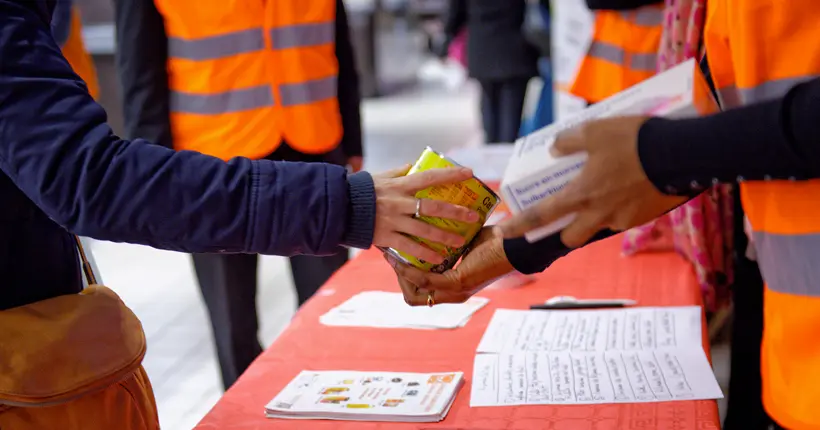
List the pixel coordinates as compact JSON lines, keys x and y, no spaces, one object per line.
{"x":744,"y":400}
{"x":228,"y":285}
{"x":502,"y":103}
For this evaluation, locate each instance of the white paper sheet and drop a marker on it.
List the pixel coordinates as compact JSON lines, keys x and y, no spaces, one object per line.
{"x":565,"y":378}
{"x":593,"y":356}
{"x":628,"y":329}
{"x":382,"y":309}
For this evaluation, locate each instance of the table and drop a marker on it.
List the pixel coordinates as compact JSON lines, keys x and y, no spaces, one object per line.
{"x":595,"y":271}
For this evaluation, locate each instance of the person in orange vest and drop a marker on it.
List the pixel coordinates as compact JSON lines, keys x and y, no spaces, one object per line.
{"x":67,"y":30}
{"x":623,"y":50}
{"x":259,"y":79}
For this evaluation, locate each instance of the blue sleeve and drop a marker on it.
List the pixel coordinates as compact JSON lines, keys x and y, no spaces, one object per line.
{"x":56,"y":147}
{"x":529,"y":258}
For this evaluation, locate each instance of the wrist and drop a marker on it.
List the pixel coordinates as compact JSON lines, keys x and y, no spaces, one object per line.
{"x":361,"y":216}
{"x":491,"y":259}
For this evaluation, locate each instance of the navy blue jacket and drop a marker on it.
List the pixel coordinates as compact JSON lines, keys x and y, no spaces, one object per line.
{"x":63,"y":171}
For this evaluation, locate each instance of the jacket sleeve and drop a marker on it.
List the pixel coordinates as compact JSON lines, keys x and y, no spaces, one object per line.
{"x":777,"y":139}
{"x":56,"y":147}
{"x":142,"y":55}
{"x":529,"y":258}
{"x":349,"y":95}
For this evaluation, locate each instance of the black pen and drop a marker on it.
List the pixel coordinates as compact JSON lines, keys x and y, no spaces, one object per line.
{"x":561,"y":306}
{"x":569,"y":302}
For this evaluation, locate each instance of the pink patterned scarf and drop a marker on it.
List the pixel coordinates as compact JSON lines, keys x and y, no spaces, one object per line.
{"x":700,"y":230}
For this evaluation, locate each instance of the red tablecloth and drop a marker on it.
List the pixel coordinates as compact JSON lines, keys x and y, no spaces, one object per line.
{"x":597,"y":271}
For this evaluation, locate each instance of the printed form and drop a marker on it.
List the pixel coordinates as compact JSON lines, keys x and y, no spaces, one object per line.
{"x":593,"y":356}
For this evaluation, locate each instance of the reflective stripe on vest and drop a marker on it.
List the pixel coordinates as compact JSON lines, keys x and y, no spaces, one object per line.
{"x":243,"y":42}
{"x":731,"y":96}
{"x":757,"y":52}
{"x":245,"y":79}
{"x":617,"y":55}
{"x":791,"y":264}
{"x":623,"y":52}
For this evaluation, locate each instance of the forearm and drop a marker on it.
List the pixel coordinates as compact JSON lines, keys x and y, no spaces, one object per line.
{"x":349,"y":95}
{"x":529,"y":258}
{"x":779,"y":139}
{"x":57,"y":148}
{"x":142,"y":55}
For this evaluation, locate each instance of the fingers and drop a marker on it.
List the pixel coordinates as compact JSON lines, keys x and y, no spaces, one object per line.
{"x":578,"y":233}
{"x":416,"y":285}
{"x":423,"y":230}
{"x":442,"y":209}
{"x":432,"y":177}
{"x":413,"y":295}
{"x":395,"y":173}
{"x":544,"y":213}
{"x":569,"y":142}
{"x":410,"y":246}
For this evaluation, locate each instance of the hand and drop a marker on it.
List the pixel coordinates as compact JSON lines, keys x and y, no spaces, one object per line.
{"x":480,"y":266}
{"x":396,"y":207}
{"x":612,"y":189}
{"x":355,"y":163}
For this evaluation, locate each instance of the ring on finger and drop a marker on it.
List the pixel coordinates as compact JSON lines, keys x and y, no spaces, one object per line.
{"x":418,"y":209}
{"x":430,"y":301}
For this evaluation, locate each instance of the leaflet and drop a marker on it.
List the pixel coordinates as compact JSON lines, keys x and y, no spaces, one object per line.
{"x":367,"y":396}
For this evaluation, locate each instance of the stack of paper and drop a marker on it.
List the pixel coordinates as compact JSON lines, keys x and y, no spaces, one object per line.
{"x":381,"y":309}
{"x":367,"y":396}
{"x":597,"y":356}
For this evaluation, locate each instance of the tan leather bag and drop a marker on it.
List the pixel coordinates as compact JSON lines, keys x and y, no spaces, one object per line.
{"x":74,"y":362}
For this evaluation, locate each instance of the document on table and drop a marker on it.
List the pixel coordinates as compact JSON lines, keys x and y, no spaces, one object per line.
{"x":596,"y":356}
{"x":626,"y":329}
{"x":382,"y":309}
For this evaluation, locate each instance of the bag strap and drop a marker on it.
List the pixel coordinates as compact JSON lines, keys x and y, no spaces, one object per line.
{"x":88,"y":270}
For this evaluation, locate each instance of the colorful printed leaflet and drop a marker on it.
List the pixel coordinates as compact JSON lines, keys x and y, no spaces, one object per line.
{"x":367,"y":396}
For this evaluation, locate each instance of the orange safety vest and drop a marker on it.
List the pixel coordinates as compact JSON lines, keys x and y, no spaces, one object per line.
{"x":758,"y":50}
{"x":623,"y":52}
{"x":74,"y":51}
{"x":247,"y":74}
